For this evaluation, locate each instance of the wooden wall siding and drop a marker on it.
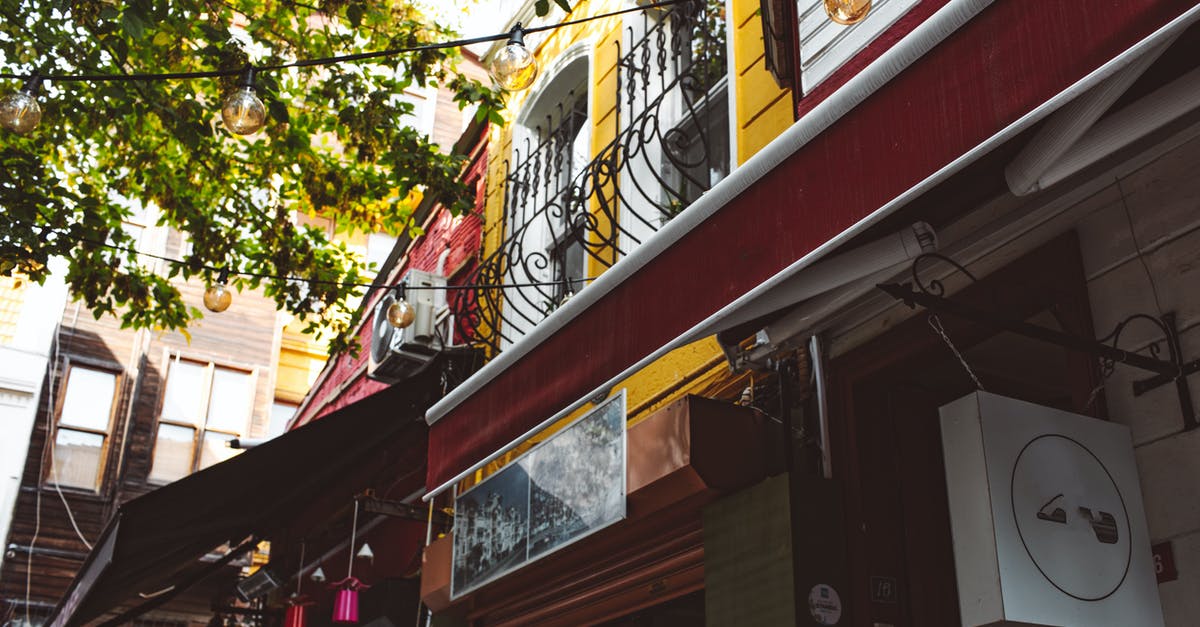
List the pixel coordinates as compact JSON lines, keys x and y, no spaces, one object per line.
{"x":242,"y":336}
{"x":448,"y":120}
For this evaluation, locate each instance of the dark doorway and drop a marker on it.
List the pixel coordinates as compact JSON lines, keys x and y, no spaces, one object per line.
{"x":886,"y":439}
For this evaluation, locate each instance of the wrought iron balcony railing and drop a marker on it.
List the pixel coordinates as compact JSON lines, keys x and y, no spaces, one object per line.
{"x":570,"y":211}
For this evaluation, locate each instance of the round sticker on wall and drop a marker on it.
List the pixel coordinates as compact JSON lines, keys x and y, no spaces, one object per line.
{"x":825,"y":605}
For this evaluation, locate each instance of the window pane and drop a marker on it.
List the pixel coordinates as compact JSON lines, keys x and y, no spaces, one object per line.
{"x":89,"y":398}
{"x":76,"y":460}
{"x":214,"y":449}
{"x":173,"y":453}
{"x":184,"y":398}
{"x":379,"y":246}
{"x":231,"y":400}
{"x":281,"y":414}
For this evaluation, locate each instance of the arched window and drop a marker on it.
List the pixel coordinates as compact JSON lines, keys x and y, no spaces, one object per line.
{"x":546,"y":209}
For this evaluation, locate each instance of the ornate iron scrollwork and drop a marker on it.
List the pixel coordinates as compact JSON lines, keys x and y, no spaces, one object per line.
{"x":1173,"y":369}
{"x":935,"y":287}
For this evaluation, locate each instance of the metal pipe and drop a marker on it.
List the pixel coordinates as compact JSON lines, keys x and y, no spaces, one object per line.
{"x":816,"y":358}
{"x":14,"y":548}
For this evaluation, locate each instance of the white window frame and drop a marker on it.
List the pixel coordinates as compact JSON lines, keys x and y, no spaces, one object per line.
{"x":548,"y":90}
{"x":200,"y":430}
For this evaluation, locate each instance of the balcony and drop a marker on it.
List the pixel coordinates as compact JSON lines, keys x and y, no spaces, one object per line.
{"x":573,"y":206}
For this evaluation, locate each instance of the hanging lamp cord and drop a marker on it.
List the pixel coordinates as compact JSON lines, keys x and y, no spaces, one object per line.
{"x":353,"y":531}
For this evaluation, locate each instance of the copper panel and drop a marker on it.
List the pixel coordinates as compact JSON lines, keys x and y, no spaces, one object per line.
{"x":435,"y":573}
{"x":692,"y":445}
{"x":659,"y":445}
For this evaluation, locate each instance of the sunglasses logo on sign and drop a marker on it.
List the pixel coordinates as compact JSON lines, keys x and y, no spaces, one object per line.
{"x":1104,"y":524}
{"x":1079,"y":539}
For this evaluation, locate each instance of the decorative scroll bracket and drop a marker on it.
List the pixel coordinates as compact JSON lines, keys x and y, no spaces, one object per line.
{"x":1173,"y":370}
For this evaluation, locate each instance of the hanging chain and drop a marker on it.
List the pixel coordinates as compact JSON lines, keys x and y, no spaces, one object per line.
{"x":1106,"y":370}
{"x":936,"y":324}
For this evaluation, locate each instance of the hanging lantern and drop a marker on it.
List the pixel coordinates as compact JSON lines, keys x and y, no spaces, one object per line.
{"x":297,"y":611}
{"x":345,"y":604}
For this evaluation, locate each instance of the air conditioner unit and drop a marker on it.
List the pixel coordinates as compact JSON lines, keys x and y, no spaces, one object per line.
{"x":397,"y":354}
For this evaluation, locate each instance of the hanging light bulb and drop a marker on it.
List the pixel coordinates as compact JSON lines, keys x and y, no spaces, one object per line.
{"x":400,"y":314}
{"x":20,"y":111}
{"x":242,"y":111}
{"x":847,"y":11}
{"x":217,"y":297}
{"x":515,"y":67}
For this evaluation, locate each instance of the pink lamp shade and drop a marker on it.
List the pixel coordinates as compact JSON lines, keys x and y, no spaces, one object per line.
{"x":345,"y":605}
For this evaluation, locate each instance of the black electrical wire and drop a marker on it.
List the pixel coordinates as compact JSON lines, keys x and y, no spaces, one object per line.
{"x":323,"y":61}
{"x":227,"y":270}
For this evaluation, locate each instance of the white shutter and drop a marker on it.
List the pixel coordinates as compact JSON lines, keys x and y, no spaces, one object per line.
{"x":826,"y":45}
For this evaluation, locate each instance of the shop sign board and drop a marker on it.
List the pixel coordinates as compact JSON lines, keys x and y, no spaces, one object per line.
{"x":1047,"y":517}
{"x":562,"y":490}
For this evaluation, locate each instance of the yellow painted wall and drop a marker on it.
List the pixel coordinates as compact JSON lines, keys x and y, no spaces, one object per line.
{"x":301,"y":359}
{"x":764,"y":109}
{"x":12,"y":295}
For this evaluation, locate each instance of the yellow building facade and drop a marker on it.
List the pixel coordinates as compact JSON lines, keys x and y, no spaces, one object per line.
{"x":638,"y":59}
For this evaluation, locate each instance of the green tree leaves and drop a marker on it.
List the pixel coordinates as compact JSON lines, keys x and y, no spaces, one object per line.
{"x":105,"y":152}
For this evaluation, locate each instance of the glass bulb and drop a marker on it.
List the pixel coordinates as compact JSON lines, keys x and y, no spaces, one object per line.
{"x":217,"y":297}
{"x":514,"y":67}
{"x":847,"y":11}
{"x":400,"y":314}
{"x":242,"y":111}
{"x":20,"y":112}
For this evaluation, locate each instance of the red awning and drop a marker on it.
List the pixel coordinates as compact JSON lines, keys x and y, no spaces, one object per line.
{"x":982,"y":79}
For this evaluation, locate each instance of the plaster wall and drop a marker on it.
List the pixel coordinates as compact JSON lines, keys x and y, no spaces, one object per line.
{"x":23,"y":365}
{"x":1154,"y":209}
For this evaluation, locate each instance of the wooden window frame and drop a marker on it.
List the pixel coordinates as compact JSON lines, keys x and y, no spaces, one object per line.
{"x":198,"y":430}
{"x":60,"y":398}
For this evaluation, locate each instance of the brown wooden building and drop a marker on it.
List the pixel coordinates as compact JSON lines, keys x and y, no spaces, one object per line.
{"x":130,"y":411}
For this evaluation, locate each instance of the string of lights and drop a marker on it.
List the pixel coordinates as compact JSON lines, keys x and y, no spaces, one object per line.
{"x":513,"y":68}
{"x":218,"y":297}
{"x":224,"y":272}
